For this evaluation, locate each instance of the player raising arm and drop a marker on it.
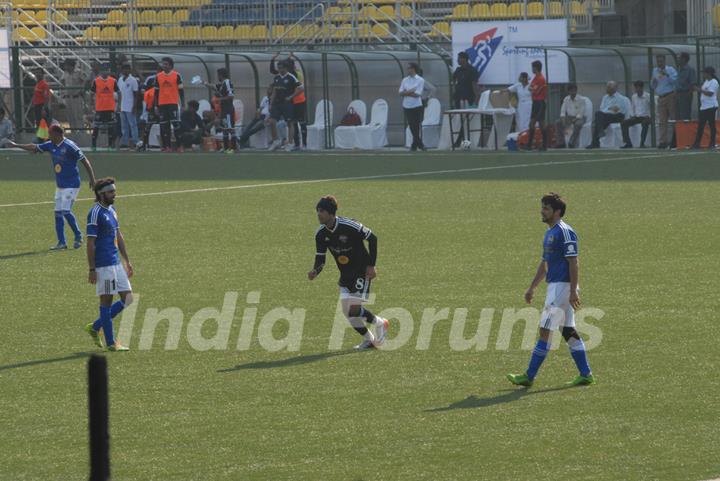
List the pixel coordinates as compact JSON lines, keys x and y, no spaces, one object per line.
{"x":65,"y":156}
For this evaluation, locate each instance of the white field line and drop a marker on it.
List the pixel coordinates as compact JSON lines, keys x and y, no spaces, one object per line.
{"x":379,"y":176}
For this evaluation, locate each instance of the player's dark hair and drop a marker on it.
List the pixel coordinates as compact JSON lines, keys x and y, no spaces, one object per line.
{"x":56,"y":129}
{"x":168,"y":60}
{"x":685,"y":56}
{"x":524,"y":74}
{"x":572,"y":87}
{"x":639,"y":83}
{"x":537,"y":65}
{"x":415,"y":67}
{"x":328,"y":204}
{"x":102,"y":183}
{"x":223,"y":72}
{"x":194,"y":104}
{"x":555,"y":202}
{"x":463,"y":55}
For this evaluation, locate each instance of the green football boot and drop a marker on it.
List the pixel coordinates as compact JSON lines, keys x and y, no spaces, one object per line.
{"x":94,"y":334}
{"x":582,"y":380}
{"x":117,"y":347}
{"x":520,"y":379}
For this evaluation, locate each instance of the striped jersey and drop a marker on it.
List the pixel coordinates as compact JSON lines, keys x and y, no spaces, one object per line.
{"x":560,"y":242}
{"x":346,"y":244}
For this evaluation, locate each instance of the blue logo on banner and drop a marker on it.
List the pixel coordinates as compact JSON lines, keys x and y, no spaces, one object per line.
{"x":483,"y":48}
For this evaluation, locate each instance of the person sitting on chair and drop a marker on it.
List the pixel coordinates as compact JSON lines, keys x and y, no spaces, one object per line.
{"x":613,"y":109}
{"x":572,"y":113}
{"x":640,"y":115}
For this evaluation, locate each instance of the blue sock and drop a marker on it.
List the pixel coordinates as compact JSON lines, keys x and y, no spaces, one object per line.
{"x":107,"y":325}
{"x":115,"y":309}
{"x":577,"y":351}
{"x":537,"y":358}
{"x":59,"y":227}
{"x":72,"y":222}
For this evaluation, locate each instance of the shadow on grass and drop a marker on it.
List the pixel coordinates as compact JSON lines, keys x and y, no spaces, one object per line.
{"x":38,"y":362}
{"x":507,"y":396}
{"x":23,"y":254}
{"x":289,"y":362}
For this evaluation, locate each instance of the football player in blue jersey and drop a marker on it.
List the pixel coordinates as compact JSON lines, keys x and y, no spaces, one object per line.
{"x":559,"y":267}
{"x":65,"y":157}
{"x":105,"y":247}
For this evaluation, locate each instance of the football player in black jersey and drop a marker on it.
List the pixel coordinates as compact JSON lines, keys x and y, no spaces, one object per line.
{"x":345,"y":238}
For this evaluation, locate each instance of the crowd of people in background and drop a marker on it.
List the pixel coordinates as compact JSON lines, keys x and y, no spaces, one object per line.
{"x":115,"y":99}
{"x":673,"y":88}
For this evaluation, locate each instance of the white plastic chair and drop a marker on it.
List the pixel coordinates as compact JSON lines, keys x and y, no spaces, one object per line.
{"x":316,"y":131}
{"x":345,"y":135}
{"x":204,"y":107}
{"x":374,"y":134}
{"x":239,"y":112}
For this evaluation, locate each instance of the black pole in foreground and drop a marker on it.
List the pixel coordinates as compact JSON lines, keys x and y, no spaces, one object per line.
{"x":98,"y":419}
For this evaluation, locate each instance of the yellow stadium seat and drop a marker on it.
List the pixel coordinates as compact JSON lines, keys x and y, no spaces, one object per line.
{"x":243,"y":32}
{"x":226,"y":32}
{"x":516,"y":10}
{"x":342,"y":32}
{"x":716,"y":16}
{"x":160,"y":33}
{"x":180,"y":16}
{"x":116,"y":17}
{"x":39,"y":33}
{"x":123,"y":34}
{"x":277,"y":31}
{"x":192,"y":33}
{"x":144,"y":34}
{"x":108,"y":34}
{"x":259,"y":32}
{"x":209,"y":32}
{"x":440,"y":28}
{"x":406,"y":12}
{"x":381,"y":30}
{"x":21,"y":33}
{"x":24,"y":17}
{"x":41,"y":17}
{"x":535,"y":10}
{"x":166,"y":17}
{"x":577,"y":8}
{"x":92,"y":33}
{"x":555,"y":9}
{"x":480,"y":10}
{"x":593,"y":6}
{"x":498,"y":10}
{"x":386,"y":12}
{"x":460,"y":12}
{"x":331,"y":13}
{"x":148,"y":17}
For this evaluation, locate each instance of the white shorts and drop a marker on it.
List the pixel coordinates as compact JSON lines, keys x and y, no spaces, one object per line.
{"x":65,"y":198}
{"x":557,"y":312}
{"x":111,"y":280}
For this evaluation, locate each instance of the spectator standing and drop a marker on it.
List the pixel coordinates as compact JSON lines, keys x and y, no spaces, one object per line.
{"x":572,"y":114}
{"x":663,"y":83}
{"x":41,"y":98}
{"x":465,"y":88}
{"x":640,"y":115}
{"x":523,"y":109}
{"x":613,"y":109}
{"x":708,"y":107}
{"x":684,"y":87}
{"x":73,"y":95}
{"x":299,"y":101}
{"x":169,"y":94}
{"x":285,"y":87}
{"x":129,"y":91}
{"x":411,"y":92}
{"x":7,"y":131}
{"x":104,"y":87}
{"x":538,"y":88}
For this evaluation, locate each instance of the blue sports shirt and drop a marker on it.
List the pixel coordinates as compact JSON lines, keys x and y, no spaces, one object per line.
{"x":65,"y":157}
{"x":102,"y":223}
{"x":560,"y":242}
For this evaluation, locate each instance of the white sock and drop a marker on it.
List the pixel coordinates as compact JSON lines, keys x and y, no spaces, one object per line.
{"x":369,"y":336}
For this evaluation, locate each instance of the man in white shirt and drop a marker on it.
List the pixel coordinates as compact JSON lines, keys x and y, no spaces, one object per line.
{"x":411,"y":90}
{"x":613,"y":110}
{"x":572,"y":114}
{"x":129,"y":88}
{"x":640,"y":115}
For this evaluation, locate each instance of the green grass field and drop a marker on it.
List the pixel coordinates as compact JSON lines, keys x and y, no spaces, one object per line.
{"x":466,"y":236}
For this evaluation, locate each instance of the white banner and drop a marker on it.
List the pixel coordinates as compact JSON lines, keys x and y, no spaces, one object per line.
{"x":4,"y":59}
{"x":493,"y":48}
